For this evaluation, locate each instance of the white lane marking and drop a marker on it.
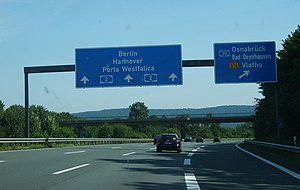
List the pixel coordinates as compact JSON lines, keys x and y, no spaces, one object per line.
{"x":127,"y":154}
{"x":152,"y":148}
{"x":191,"y":182}
{"x":190,"y":154}
{"x":70,"y":169}
{"x":76,"y":152}
{"x":291,"y":173}
{"x":2,"y":161}
{"x":187,"y":162}
{"x":116,"y":147}
{"x":141,"y":145}
{"x":202,"y":146}
{"x":194,"y":150}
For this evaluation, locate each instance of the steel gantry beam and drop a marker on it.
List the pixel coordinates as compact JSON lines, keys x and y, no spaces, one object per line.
{"x":39,"y":69}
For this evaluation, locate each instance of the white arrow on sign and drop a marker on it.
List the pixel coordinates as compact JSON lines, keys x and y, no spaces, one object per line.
{"x":128,"y":78}
{"x":173,"y":77}
{"x":245,"y":73}
{"x":84,"y":80}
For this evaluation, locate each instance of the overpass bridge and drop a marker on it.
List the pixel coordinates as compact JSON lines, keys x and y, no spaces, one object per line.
{"x":175,"y":120}
{"x":182,"y":121}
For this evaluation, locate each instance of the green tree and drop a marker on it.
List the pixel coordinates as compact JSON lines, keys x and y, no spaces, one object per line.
{"x":215,"y":129}
{"x":121,"y":131}
{"x":245,"y":130}
{"x":288,"y":86}
{"x":105,"y":131}
{"x":90,"y":131}
{"x":2,"y":133}
{"x":43,"y":122}
{"x":1,"y":107}
{"x":205,"y":131}
{"x":173,"y":130}
{"x":138,"y":110}
{"x":13,"y":121}
{"x":35,"y":125}
{"x":288,"y":80}
{"x":63,"y":132}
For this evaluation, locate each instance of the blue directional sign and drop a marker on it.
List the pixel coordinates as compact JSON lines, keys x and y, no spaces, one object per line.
{"x":250,"y":62}
{"x":129,"y":66}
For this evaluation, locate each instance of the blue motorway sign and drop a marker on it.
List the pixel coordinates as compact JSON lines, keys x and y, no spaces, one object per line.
{"x":250,"y":62}
{"x":129,"y":66}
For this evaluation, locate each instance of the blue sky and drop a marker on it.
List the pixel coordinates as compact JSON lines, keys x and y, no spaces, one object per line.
{"x":41,"y":33}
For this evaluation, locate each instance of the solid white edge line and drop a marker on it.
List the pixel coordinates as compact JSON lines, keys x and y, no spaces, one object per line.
{"x":187,"y":162}
{"x":70,"y":169}
{"x":127,"y":154}
{"x":76,"y":152}
{"x":191,"y":182}
{"x":2,"y":161}
{"x":291,"y":173}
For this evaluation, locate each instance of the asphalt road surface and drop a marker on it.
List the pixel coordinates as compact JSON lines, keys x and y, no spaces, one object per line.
{"x":138,"y":166}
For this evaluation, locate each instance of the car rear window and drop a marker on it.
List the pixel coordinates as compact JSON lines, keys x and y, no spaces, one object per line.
{"x":168,"y":137}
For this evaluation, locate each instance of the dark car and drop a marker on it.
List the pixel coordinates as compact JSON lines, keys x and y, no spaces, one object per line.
{"x":188,"y":139}
{"x":217,"y":139}
{"x":156,"y":139}
{"x":199,"y":139}
{"x":168,"y":142}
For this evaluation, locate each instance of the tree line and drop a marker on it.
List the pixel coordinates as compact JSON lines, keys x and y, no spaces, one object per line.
{"x":277,"y":113}
{"x":44,"y":124}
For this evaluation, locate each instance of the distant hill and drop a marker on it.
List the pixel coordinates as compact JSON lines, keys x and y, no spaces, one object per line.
{"x":230,"y":110}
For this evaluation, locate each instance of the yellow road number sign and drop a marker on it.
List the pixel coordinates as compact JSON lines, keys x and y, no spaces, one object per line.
{"x":234,"y":65}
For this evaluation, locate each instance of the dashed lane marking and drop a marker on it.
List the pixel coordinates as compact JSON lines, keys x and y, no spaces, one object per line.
{"x":70,"y":169}
{"x":190,"y":154}
{"x":116,"y":147}
{"x":75,"y":152}
{"x":127,"y":154}
{"x":187,"y":162}
{"x":191,"y":182}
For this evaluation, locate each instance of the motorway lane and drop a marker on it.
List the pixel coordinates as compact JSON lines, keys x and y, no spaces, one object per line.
{"x":139,"y":166}
{"x":126,"y":166}
{"x":128,"y":170}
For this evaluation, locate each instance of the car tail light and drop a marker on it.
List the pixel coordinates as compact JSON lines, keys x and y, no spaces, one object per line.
{"x":177,"y":142}
{"x":157,"y":141}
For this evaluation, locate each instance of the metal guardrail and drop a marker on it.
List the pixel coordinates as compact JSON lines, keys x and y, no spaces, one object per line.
{"x":11,"y":141}
{"x":275,"y":146}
